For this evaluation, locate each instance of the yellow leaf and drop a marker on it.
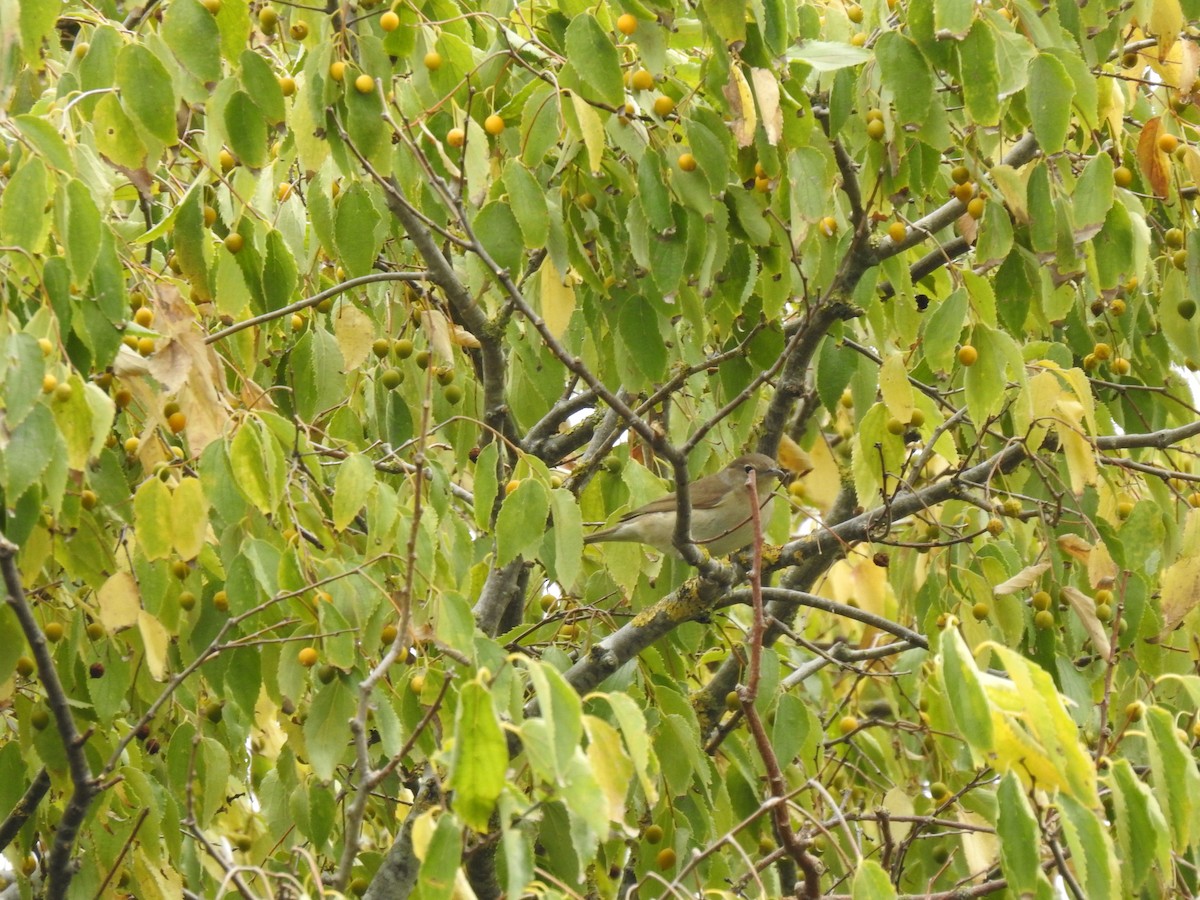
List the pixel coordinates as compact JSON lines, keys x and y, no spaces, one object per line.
{"x":1166,"y":21}
{"x":120,"y":602}
{"x":741,"y":105}
{"x":893,"y":385}
{"x":355,"y":333}
{"x":593,"y":132}
{"x":189,"y":518}
{"x":609,"y":763}
{"x":766,"y":92}
{"x":1027,"y":577}
{"x":557,"y":297}
{"x":1085,"y":609}
{"x":1181,"y":580}
{"x":793,"y":457}
{"x":156,"y":640}
{"x":437,"y":331}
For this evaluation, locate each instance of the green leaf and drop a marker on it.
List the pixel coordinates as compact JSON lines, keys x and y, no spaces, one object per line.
{"x":528,"y":201}
{"x":568,"y":536}
{"x":906,"y":75}
{"x":191,"y":32}
{"x":871,"y":882}
{"x":21,"y":376}
{"x":191,"y":239}
{"x":279,"y":272}
{"x":995,"y":235}
{"x":326,"y":727}
{"x":486,"y":485}
{"x":1050,"y":93}
{"x":23,"y":221}
{"x":593,"y":58}
{"x":247,"y":461}
{"x":981,"y":91}
{"x":354,"y":230}
{"x":356,"y":477}
{"x":213,"y":777}
{"x":116,"y":135}
{"x":36,"y":19}
{"x":954,"y":17}
{"x":441,"y":862}
{"x":152,"y":515}
{"x":1175,"y":776}
{"x":25,"y":458}
{"x":967,"y":700}
{"x":1092,"y":853}
{"x":498,"y":231}
{"x":1092,"y":197}
{"x":1140,"y":827}
{"x":262,"y":84}
{"x":82,"y":232}
{"x":46,"y":141}
{"x":147,"y":92}
{"x":828,"y":56}
{"x":652,"y":192}
{"x":561,"y":716}
{"x":641,"y":343}
{"x":480,"y":757}
{"x":246,"y":129}
{"x":522,"y":521}
{"x":728,"y":20}
{"x":1017,"y":828}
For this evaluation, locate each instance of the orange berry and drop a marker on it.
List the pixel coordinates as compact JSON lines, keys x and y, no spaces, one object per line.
{"x":627,"y":24}
{"x":456,"y":137}
{"x":389,"y":21}
{"x":897,"y":232}
{"x":177,"y":421}
{"x":307,"y":657}
{"x":1167,"y":143}
{"x":641,"y":80}
{"x":493,"y":124}
{"x":663,"y":106}
{"x":967,"y":355}
{"x":687,"y":162}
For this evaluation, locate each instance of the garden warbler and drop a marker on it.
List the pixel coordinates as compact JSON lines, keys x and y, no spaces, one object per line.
{"x":720,"y":511}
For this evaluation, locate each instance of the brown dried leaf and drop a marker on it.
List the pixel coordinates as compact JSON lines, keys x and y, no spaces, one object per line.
{"x":1074,"y":545}
{"x":1027,"y":577}
{"x":766,"y":92}
{"x":1153,"y":162}
{"x":1085,"y":608}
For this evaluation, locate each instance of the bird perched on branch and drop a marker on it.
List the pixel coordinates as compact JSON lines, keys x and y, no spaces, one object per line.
{"x":721,"y":508}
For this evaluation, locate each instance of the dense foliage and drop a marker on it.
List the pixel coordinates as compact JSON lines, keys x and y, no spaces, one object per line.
{"x":328,"y":332}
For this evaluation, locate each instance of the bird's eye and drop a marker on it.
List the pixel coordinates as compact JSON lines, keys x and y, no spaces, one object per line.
{"x":749,"y":468}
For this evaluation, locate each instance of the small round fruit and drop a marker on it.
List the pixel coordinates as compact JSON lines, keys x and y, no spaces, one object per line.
{"x":1102,"y":351}
{"x":627,"y":24}
{"x":214,"y":711}
{"x":895,"y":426}
{"x":187,"y":601}
{"x":586,"y":200}
{"x":876,"y":129}
{"x":847,"y":724}
{"x":268,"y":18}
{"x":423,"y":359}
{"x":663,"y":106}
{"x":49,"y":383}
{"x":1135,"y":710}
{"x":1179,"y":259}
{"x":145,"y":346}
{"x":1167,"y":143}
{"x":95,"y":631}
{"x":828,"y":226}
{"x":1124,"y":510}
{"x":1043,"y":619}
{"x":897,"y":231}
{"x":453,"y":394}
{"x":337,"y":70}
{"x":456,"y":137}
{"x":131,"y":445}
{"x":96,"y":670}
{"x":1186,"y":308}
{"x":177,"y":421}
{"x":39,"y":719}
{"x":1121,"y":366}
{"x":1194,"y":500}
{"x":1122,"y":176}
{"x":221,"y":601}
{"x":995,"y":527}
{"x":226,"y":160}
{"x":299,"y":31}
{"x":493,"y":125}
{"x":389,"y":21}
{"x":307,"y":657}
{"x":1173,"y":237}
{"x":1011,"y":507}
{"x":326,"y":674}
{"x":964,"y":192}
{"x":359,"y":885}
{"x":391,"y":379}
{"x":403,"y":348}
{"x":917,"y":419}
{"x":687,"y":162}
{"x":854,"y":13}
{"x":364,"y":83}
{"x":213,"y":6}
{"x":432,"y":60}
{"x":25,"y":666}
{"x":287,"y":84}
{"x":63,"y":392}
{"x":960,"y":175}
{"x":641,"y":80}
{"x":297,"y":322}
{"x":234,"y":242}
{"x":54,"y":632}
{"x":665,"y":859}
{"x":981,"y":610}
{"x":1104,"y":612}
{"x":733,"y":702}
{"x":144,"y":316}
{"x":46,"y":346}
{"x":88,"y":499}
{"x":387,"y":634}
{"x":180,"y":569}
{"x":653,"y":834}
{"x":762,"y":185}
{"x":967,"y":355}
{"x":1117,"y":307}
{"x":858,"y":40}
{"x":939,"y":791}
{"x":975,"y":207}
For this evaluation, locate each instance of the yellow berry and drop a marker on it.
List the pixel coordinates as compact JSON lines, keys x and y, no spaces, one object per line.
{"x":665,"y":858}
{"x":627,"y":23}
{"x":144,"y":316}
{"x":1122,"y":177}
{"x":389,"y":21}
{"x":307,"y":657}
{"x":234,"y":242}
{"x":687,"y":162}
{"x":49,"y":383}
{"x":967,"y":355}
{"x":493,"y":125}
{"x":641,"y":80}
{"x":299,"y":31}
{"x":876,"y":129}
{"x":854,"y":13}
{"x":653,"y":834}
{"x":663,"y":106}
{"x":1167,"y":143}
{"x":456,"y":137}
{"x":364,"y":83}
{"x":268,"y":18}
{"x":847,"y":724}
{"x":63,"y":392}
{"x":975,"y":207}
{"x":1044,"y":619}
{"x":145,"y":346}
{"x":897,"y":232}
{"x":337,"y":70}
{"x":432,"y":61}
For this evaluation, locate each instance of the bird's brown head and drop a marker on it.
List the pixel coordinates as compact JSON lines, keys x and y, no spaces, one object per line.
{"x":760,"y":463}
